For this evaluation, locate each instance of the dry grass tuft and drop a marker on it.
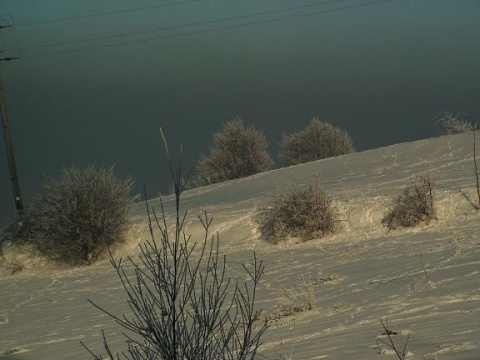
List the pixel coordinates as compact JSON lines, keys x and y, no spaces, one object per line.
{"x":296,"y":300}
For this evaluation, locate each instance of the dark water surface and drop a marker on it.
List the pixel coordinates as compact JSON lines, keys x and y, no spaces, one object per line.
{"x":382,"y":71}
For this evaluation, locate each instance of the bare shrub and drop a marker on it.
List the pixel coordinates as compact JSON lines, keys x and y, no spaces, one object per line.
{"x":318,"y":140}
{"x":414,"y":205}
{"x":238,"y":151}
{"x":183,"y":305}
{"x":78,"y":216}
{"x":300,"y":211}
{"x":453,"y":123}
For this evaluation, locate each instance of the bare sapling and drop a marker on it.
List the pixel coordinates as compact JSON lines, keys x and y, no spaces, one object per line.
{"x":182,"y":304}
{"x":474,"y":128}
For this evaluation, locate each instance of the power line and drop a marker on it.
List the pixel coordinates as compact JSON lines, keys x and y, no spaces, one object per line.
{"x":176,"y":27}
{"x":87,"y":16}
{"x":226,"y":27}
{"x":12,"y":54}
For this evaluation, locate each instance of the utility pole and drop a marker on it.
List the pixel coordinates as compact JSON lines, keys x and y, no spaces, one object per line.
{"x":8,"y":142}
{"x":11,"y":159}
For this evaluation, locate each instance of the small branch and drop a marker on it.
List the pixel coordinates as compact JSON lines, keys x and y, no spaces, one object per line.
{"x":474,"y":127}
{"x":424,"y":270}
{"x":401,"y":355}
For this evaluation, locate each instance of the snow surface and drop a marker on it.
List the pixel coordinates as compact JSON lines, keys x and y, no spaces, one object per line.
{"x":425,"y":279}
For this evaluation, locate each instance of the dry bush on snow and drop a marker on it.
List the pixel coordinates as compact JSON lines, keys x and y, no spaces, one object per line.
{"x":299,"y":211}
{"x":78,"y":216}
{"x":183,"y":305}
{"x":318,"y":140}
{"x":454,"y":123}
{"x":413,"y":205}
{"x":237,"y":151}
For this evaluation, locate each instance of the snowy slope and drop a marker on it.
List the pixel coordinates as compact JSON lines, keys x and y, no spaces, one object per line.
{"x":425,"y":279}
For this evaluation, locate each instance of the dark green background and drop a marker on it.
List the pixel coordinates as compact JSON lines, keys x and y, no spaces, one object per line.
{"x":382,"y":72}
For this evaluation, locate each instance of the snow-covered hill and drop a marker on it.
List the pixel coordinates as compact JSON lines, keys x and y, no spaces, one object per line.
{"x":426,"y":280}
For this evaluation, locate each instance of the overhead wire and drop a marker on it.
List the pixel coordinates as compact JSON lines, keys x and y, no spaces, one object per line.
{"x":10,"y":54}
{"x":81,"y":17}
{"x":176,"y":27}
{"x":200,"y":31}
